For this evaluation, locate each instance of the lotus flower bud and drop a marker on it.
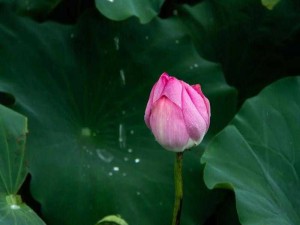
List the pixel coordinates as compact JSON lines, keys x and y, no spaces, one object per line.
{"x":177,"y":113}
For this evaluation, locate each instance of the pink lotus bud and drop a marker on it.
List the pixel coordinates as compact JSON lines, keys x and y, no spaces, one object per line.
{"x":177,"y":114}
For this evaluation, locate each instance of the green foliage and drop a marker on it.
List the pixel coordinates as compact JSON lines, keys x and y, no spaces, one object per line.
{"x":112,"y":220}
{"x":145,"y":10}
{"x":17,"y":214}
{"x":13,"y":130}
{"x":87,"y":134}
{"x":270,"y":4}
{"x":33,"y":8}
{"x":84,"y":89}
{"x":257,"y":156}
{"x":254,"y":45}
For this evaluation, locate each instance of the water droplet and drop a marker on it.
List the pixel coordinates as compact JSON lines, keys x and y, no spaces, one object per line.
{"x":137,"y":160}
{"x":132,"y":132}
{"x":86,"y":132}
{"x":117,"y":43}
{"x":14,"y":206}
{"x":110,"y":174}
{"x":130,"y":150}
{"x":175,"y":12}
{"x":177,"y":41}
{"x":122,"y":136}
{"x":110,"y":0}
{"x":126,"y":159}
{"x":138,"y":193}
{"x":196,"y":65}
{"x":123,"y":79}
{"x":104,"y":155}
{"x":116,"y":168}
{"x":72,"y":35}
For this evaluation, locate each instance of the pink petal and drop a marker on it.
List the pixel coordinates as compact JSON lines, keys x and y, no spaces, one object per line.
{"x":160,"y":86}
{"x":173,"y":90}
{"x":200,"y":101}
{"x":148,"y":109}
{"x":168,"y":126}
{"x":194,"y":121}
{"x":197,"y":88}
{"x":155,"y":93}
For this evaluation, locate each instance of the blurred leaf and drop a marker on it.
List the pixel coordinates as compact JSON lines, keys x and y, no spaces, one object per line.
{"x":145,"y":10}
{"x":33,"y":8}
{"x":17,"y":214}
{"x":257,"y":156}
{"x":84,"y":90}
{"x":112,"y":220}
{"x":254,"y":45}
{"x":36,"y":7}
{"x":269,"y":4}
{"x":13,"y":129}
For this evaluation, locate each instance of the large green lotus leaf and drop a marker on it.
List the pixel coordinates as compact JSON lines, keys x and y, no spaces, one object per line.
{"x":35,"y":7}
{"x":17,"y":214}
{"x":145,"y":10}
{"x":84,"y":90}
{"x":32,"y":8}
{"x":262,"y":44}
{"x":13,"y":129}
{"x":258,"y":156}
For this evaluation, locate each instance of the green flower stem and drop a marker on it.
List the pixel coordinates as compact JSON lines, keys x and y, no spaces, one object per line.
{"x":178,"y":188}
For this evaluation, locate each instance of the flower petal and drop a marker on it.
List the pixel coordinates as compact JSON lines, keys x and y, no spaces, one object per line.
{"x":173,"y":90}
{"x":160,"y":86}
{"x":155,"y":94}
{"x":148,"y":109}
{"x":195,"y":123}
{"x":167,"y":125}
{"x":200,"y":101}
{"x":197,"y":88}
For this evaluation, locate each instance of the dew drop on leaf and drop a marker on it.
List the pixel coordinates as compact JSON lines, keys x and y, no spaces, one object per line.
{"x":104,"y":155}
{"x":14,"y":207}
{"x":86,"y":132}
{"x":122,"y":76}
{"x":117,"y":43}
{"x":122,"y":136}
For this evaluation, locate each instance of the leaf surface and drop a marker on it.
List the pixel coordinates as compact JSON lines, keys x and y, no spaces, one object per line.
{"x":84,"y":89}
{"x":258,"y":156}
